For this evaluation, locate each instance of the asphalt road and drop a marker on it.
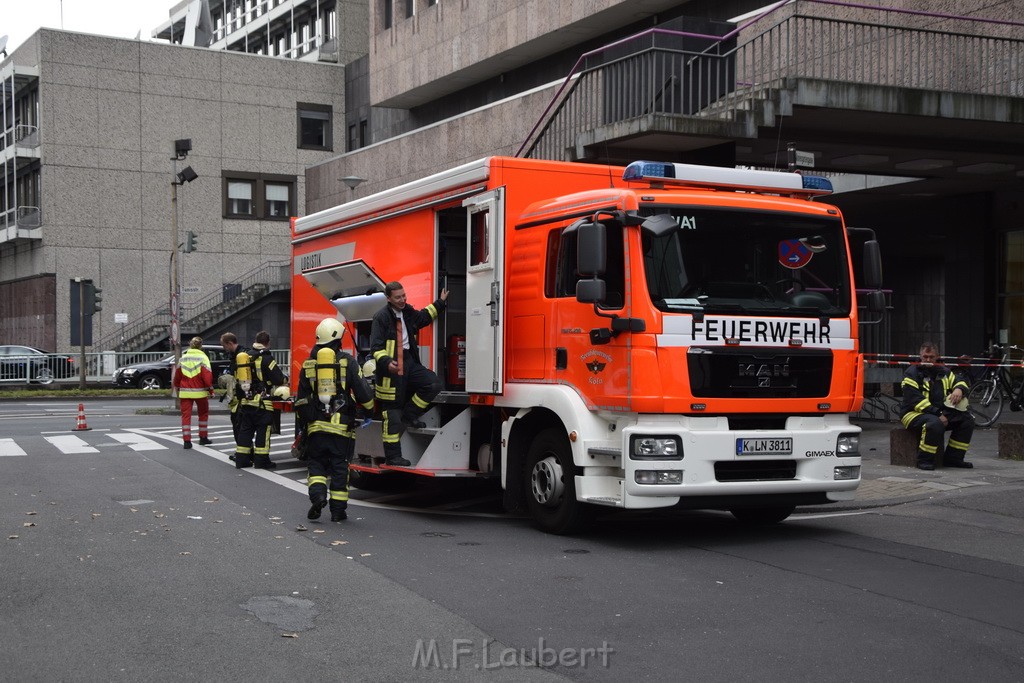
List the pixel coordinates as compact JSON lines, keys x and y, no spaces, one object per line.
{"x":155,"y":563}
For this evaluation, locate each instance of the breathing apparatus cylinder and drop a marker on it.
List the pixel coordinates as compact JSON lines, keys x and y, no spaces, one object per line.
{"x":326,"y":387}
{"x":243,"y":371}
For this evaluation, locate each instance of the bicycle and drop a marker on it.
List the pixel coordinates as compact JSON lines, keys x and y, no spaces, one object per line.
{"x":985,"y":397}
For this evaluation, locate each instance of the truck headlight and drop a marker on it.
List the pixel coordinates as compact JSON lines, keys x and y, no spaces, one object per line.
{"x":655,"y":448}
{"x":848,"y":445}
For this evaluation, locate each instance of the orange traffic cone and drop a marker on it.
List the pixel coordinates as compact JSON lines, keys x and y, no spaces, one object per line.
{"x":80,"y":425}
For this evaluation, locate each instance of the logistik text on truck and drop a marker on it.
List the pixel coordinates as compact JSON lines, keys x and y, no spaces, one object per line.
{"x":641,"y":337}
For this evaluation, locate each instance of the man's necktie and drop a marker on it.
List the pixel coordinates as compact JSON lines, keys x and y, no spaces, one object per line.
{"x":399,"y":350}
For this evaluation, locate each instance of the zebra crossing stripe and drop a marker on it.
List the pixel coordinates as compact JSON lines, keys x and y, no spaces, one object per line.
{"x":8,"y":447}
{"x":137,"y":442}
{"x":69,"y":443}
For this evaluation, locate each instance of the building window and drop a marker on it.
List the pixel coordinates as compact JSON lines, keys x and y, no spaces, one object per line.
{"x":315,"y":125}
{"x":431,"y":3}
{"x":240,"y":194}
{"x":278,"y":202}
{"x":410,"y":8}
{"x":387,"y":14}
{"x":258,"y":195}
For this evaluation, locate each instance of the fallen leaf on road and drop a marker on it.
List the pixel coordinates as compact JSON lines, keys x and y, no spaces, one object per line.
{"x":339,"y":542}
{"x":364,"y":554}
{"x":277,"y":522}
{"x":134,"y":509}
{"x":319,"y":531}
{"x":31,"y":513}
{"x":300,"y":528}
{"x":194,"y":517}
{"x":28,"y":524}
{"x":272,"y":518}
{"x":184,"y":552}
{"x":96,"y":514}
{"x":278,"y":536}
{"x":13,"y":536}
{"x":159,"y":514}
{"x":289,"y":635}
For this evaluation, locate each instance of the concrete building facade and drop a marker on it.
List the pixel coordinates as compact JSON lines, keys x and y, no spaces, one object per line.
{"x":94,"y":178}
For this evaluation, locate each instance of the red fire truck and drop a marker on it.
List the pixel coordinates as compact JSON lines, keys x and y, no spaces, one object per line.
{"x":656,"y":335}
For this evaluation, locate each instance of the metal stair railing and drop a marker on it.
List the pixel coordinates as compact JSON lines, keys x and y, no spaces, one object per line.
{"x":682,"y":74}
{"x":154,"y":325}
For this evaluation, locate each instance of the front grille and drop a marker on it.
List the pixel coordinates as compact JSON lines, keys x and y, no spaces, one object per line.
{"x":718,"y":372}
{"x":755,"y":470}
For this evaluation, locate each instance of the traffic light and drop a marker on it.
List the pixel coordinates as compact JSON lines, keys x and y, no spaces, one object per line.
{"x":190,"y":242}
{"x":97,"y":299}
{"x":93,"y":298}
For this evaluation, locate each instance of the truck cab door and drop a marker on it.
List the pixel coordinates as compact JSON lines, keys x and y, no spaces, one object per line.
{"x":485,"y":242}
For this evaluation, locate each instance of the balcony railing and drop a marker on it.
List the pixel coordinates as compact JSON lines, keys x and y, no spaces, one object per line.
{"x":703,"y":76}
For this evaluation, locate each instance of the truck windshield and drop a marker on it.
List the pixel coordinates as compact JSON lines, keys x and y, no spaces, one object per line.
{"x":728,"y":260}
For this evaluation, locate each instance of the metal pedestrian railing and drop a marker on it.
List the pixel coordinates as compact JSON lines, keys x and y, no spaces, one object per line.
{"x":63,"y":368}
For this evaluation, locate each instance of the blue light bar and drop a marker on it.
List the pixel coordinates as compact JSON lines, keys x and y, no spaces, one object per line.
{"x":727,"y":178}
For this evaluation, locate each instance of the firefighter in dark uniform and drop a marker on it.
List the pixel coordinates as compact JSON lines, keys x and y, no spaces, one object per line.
{"x":933,"y":403}
{"x":258,"y":379}
{"x":229,"y":342}
{"x":331,"y":393}
{"x":403,"y":385}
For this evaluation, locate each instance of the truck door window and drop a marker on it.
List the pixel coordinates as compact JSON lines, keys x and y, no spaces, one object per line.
{"x":479,"y":247}
{"x":561,"y":275}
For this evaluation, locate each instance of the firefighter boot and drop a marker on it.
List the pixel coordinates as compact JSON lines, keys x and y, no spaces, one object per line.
{"x":314,"y":510}
{"x":338,"y":515}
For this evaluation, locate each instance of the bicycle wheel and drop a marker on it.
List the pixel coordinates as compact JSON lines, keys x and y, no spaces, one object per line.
{"x":985,"y":401}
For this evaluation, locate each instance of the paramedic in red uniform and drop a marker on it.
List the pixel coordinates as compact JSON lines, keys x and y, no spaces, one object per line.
{"x":193,"y":379}
{"x":404,"y":386}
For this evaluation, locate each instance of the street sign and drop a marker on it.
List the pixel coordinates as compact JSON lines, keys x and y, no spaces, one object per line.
{"x":120,"y":317}
{"x":804,"y":159}
{"x":191,"y":289}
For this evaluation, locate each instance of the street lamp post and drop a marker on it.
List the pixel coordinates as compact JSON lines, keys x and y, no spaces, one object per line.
{"x":186,"y":175}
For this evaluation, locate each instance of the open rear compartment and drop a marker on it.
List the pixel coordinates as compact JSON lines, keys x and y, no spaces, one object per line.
{"x":456,"y":441}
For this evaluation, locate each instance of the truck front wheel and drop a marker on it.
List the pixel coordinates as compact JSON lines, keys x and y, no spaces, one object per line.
{"x":771,"y":514}
{"x":551,"y":486}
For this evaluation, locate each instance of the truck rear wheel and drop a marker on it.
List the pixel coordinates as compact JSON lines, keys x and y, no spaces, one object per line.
{"x":763,"y":516}
{"x":551,"y":486}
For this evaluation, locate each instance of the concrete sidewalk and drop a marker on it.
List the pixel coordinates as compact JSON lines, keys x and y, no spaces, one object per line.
{"x":884,"y":484}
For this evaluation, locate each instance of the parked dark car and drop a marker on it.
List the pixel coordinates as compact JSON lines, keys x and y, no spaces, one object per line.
{"x":157,"y":374}
{"x":29,"y":364}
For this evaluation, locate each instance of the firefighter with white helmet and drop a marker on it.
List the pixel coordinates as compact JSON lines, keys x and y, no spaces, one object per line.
{"x":331,"y":393}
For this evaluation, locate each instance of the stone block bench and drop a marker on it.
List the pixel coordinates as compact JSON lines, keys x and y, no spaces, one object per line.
{"x":1010,"y":443}
{"x":903,"y":448}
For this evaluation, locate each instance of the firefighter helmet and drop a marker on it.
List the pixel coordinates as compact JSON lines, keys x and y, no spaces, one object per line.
{"x":328,"y":330}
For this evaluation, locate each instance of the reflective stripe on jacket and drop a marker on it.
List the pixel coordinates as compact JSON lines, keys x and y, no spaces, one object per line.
{"x":193,"y":376}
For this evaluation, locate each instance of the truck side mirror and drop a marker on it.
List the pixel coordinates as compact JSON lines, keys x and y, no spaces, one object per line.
{"x":590,"y":291}
{"x":876,"y":301}
{"x":872,"y":265}
{"x":591,"y":249}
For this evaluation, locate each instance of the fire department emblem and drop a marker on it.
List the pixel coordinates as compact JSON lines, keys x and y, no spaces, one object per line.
{"x":595,"y":361}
